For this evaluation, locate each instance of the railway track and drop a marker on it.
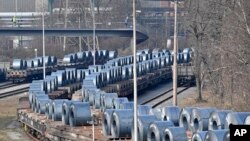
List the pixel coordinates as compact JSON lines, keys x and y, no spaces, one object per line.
{"x":7,"y":85}
{"x":14,"y":92}
{"x":186,"y":86}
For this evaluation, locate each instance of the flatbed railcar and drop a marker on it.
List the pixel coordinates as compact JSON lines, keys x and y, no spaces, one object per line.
{"x":30,"y":74}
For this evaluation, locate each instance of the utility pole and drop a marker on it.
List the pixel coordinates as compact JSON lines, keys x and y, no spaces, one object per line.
{"x":44,"y":72}
{"x":134,"y":72}
{"x":93,"y":16}
{"x":80,"y":38}
{"x":175,"y":56}
{"x":65,"y":24}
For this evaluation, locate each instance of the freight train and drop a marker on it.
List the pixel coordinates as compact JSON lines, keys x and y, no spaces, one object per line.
{"x":32,"y":69}
{"x":49,"y":113}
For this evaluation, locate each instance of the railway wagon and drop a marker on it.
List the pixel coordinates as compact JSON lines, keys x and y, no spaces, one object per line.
{"x":4,"y":67}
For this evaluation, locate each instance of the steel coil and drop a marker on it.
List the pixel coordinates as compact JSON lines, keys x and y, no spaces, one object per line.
{"x":30,"y":64}
{"x":42,"y":105}
{"x":186,"y":55}
{"x":65,"y":111}
{"x":200,"y":118}
{"x":156,"y":130}
{"x":171,"y":113}
{"x":68,"y":59}
{"x":53,"y":60}
{"x":157,"y":113}
{"x":236,"y":118}
{"x":121,"y":123}
{"x":91,"y":95}
{"x":18,"y":64}
{"x":48,"y":109}
{"x":143,"y":125}
{"x":86,"y":92}
{"x":199,"y":136}
{"x":175,"y":134}
{"x":79,"y":114}
{"x":117,"y":102}
{"x":217,"y":135}
{"x":31,"y":95}
{"x":57,"y":109}
{"x":107,"y":100}
{"x":36,"y":62}
{"x":127,"y":105}
{"x":247,"y":121}
{"x":106,"y":122}
{"x":80,"y":56}
{"x":97,"y":99}
{"x":217,"y":119}
{"x":35,"y":98}
{"x":185,"y":117}
{"x":113,"y":54}
{"x":144,"y":109}
{"x":61,"y":76}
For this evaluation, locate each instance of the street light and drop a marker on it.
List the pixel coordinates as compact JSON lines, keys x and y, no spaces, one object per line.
{"x":35,"y":52}
{"x":44,"y":73}
{"x":134,"y":72}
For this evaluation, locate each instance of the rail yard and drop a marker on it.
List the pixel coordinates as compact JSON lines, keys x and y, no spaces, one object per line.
{"x":124,"y":70}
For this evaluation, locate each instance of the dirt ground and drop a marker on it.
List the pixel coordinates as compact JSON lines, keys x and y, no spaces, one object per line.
{"x":9,"y":127}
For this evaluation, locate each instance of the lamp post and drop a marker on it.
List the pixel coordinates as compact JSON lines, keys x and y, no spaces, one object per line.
{"x":94,"y":27}
{"x":35,"y":52}
{"x":134,"y":72}
{"x":44,"y":73}
{"x":175,"y":56}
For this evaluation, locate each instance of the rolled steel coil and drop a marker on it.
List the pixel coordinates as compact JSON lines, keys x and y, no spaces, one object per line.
{"x":54,"y":82}
{"x":70,"y":74}
{"x":40,"y":60}
{"x":91,"y":95}
{"x":36,"y":62}
{"x":175,"y":134}
{"x":35,"y":98}
{"x":65,"y":111}
{"x":32,"y":93}
{"x":18,"y":64}
{"x":144,"y":109}
{"x":105,"y":53}
{"x":48,"y":109}
{"x":68,"y":59}
{"x":53,"y":60}
{"x":30,"y":64}
{"x":85,"y":92}
{"x":80,"y":56}
{"x":79,"y":114}
{"x":117,"y":102}
{"x":247,"y":121}
{"x":185,"y":117}
{"x":157,"y":113}
{"x":97,"y":99}
{"x":74,"y":56}
{"x":121,"y":123}
{"x":57,"y":109}
{"x":143,"y":125}
{"x":47,"y":60}
{"x":61,"y":77}
{"x":186,"y":55}
{"x":107,"y":100}
{"x":156,"y":130}
{"x":217,"y":119}
{"x":199,"y":136}
{"x":42,"y":105}
{"x":171,"y":113}
{"x":217,"y":135}
{"x":113,"y":54}
{"x":106,"y":121}
{"x":235,"y":118}
{"x":48,"y":84}
{"x":200,"y":118}
{"x":127,"y":105}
